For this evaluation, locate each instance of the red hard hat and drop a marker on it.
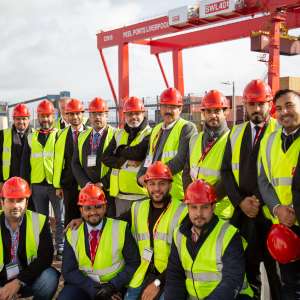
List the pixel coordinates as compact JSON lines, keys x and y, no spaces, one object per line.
{"x":214,"y":99}
{"x":171,"y":96}
{"x":21,"y":110}
{"x":45,"y":107}
{"x":15,"y":188}
{"x":74,"y":106}
{"x":133,"y":104}
{"x":283,"y":244}
{"x":158,"y":170}
{"x":98,"y":105}
{"x":257,"y":91}
{"x":200,"y":192}
{"x":91,"y":194}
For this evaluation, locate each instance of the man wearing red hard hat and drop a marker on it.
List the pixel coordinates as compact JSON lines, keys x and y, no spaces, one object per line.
{"x":63,"y":178}
{"x":125,"y":154}
{"x":169,"y":140}
{"x":239,"y":177}
{"x":279,"y":177}
{"x":37,"y":168}
{"x":26,"y":246}
{"x":207,"y":257}
{"x":100,"y":256}
{"x":12,"y":143}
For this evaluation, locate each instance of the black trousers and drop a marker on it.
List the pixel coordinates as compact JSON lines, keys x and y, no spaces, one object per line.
{"x":255,"y":231}
{"x":70,"y":200}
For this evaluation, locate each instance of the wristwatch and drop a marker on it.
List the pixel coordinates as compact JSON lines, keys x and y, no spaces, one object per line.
{"x":157,"y":282}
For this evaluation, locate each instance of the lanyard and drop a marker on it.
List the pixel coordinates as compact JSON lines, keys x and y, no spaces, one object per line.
{"x":158,"y":220}
{"x":258,"y":133}
{"x":155,"y":140}
{"x":14,"y":247}
{"x":94,"y":146}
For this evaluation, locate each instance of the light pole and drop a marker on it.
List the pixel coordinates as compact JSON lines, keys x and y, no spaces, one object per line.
{"x":233,"y":99}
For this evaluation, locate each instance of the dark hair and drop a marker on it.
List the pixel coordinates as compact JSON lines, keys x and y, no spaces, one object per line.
{"x":283,"y":92}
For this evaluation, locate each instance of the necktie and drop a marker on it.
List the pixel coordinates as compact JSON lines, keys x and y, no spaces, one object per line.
{"x":94,"y":236}
{"x":287,"y":142}
{"x":257,"y":132}
{"x":96,"y":140}
{"x":75,"y":136}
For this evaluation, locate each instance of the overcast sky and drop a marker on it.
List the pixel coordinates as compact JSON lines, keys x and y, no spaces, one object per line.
{"x":48,"y":46}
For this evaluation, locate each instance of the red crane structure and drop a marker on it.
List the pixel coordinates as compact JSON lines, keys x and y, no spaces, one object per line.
{"x":211,"y":22}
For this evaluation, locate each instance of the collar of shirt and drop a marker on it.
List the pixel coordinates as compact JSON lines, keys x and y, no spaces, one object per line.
{"x":98,"y":227}
{"x":291,"y":133}
{"x":11,"y":231}
{"x":100,"y":131}
{"x":79,"y":130}
{"x":171,"y":125}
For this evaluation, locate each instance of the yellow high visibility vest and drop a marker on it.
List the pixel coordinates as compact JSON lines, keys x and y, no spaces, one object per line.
{"x":169,"y":152}
{"x":124,"y":180}
{"x":279,"y":167}
{"x":109,"y":260}
{"x":205,"y":272}
{"x":6,"y":154}
{"x":86,"y":134}
{"x":162,"y":237}
{"x":209,"y":169}
{"x":34,"y":224}
{"x":42,"y":158}
{"x":236,"y":136}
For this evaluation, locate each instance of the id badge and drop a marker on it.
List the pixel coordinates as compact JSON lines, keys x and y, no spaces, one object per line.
{"x":12,"y":271}
{"x":148,"y":161}
{"x":91,"y":160}
{"x":147,"y":254}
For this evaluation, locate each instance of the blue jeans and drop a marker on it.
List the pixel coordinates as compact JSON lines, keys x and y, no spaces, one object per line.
{"x":72,"y":292}
{"x":134,"y":293}
{"x":44,"y":286}
{"x":41,"y":196}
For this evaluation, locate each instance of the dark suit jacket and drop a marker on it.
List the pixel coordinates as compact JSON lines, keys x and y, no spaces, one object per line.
{"x":31,"y":272}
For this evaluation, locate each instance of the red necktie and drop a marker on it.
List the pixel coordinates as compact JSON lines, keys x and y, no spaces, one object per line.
{"x":94,"y":238}
{"x":75,"y":136}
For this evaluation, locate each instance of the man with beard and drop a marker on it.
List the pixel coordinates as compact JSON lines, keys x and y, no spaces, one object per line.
{"x":278,"y":184}
{"x":87,"y":162}
{"x":239,"y":176}
{"x":124,"y":155}
{"x":169,"y":140}
{"x":63,"y":178}
{"x":207,"y":149}
{"x":26,"y":247}
{"x":206,"y":259}
{"x":37,"y":168}
{"x":100,"y":256}
{"x":152,"y":224}
{"x":12,"y":143}
{"x":62,"y":122}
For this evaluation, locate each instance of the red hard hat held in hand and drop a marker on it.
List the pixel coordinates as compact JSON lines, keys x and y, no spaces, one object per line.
{"x":21,"y":110}
{"x":283,"y":244}
{"x":91,"y":194}
{"x":214,"y":99}
{"x":200,"y":192}
{"x":45,"y":107}
{"x":257,"y":91}
{"x":171,"y":96}
{"x":158,"y":170}
{"x":133,"y":104}
{"x":15,"y":188}
{"x":74,"y":106}
{"x":98,"y":105}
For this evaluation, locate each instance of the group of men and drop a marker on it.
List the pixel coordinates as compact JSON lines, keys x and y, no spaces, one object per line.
{"x":162,"y":213}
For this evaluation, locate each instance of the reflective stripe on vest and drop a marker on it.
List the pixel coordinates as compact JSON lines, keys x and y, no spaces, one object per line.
{"x":170,"y":149}
{"x":236,"y":137}
{"x":279,"y":167}
{"x":6,"y":154}
{"x":42,"y":158}
{"x":59,"y":153}
{"x":34,"y":225}
{"x":123,"y":181}
{"x":209,"y":168}
{"x":162,"y":237}
{"x":109,"y":259}
{"x":205,"y":272}
{"x":83,"y":136}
